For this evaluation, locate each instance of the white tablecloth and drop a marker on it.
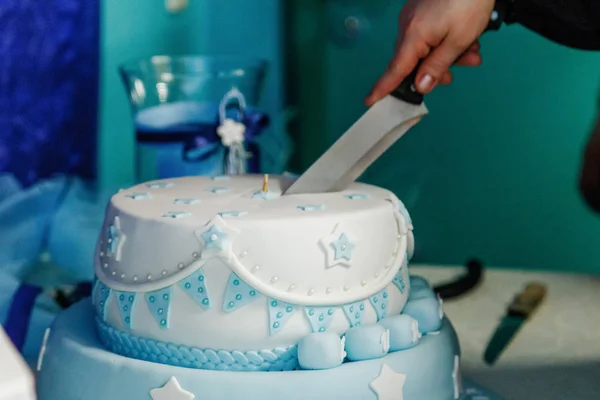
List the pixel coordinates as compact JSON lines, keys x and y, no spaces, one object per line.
{"x":555,"y":356}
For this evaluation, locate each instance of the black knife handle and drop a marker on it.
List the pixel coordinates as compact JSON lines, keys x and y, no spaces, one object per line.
{"x":407,"y":90}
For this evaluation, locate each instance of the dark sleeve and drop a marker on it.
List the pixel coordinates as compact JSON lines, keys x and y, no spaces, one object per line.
{"x":573,"y":23}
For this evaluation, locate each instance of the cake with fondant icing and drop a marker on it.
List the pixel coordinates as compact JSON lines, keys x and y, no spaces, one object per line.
{"x":222,"y":288}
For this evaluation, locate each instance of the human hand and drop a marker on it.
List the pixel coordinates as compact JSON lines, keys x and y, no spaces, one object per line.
{"x":589,"y":181}
{"x":439,"y":32}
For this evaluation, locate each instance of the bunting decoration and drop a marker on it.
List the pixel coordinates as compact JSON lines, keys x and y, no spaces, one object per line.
{"x":159,"y":304}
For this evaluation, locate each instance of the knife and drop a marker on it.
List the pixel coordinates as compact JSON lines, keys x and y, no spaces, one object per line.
{"x":519,"y":311}
{"x":375,"y":132}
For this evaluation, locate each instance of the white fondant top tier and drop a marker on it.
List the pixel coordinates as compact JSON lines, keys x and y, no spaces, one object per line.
{"x":313,"y":249}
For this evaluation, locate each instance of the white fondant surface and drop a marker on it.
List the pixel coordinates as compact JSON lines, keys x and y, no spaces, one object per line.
{"x":274,"y":245}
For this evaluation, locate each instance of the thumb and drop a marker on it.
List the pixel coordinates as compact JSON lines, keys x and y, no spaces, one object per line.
{"x":436,"y":64}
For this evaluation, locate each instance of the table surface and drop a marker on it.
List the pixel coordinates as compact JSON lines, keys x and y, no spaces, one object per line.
{"x":556,"y":354}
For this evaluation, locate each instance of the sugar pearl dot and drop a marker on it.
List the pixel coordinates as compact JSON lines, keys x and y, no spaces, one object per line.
{"x":135,"y":278}
{"x":328,"y":290}
{"x":101,"y":254}
{"x":376,"y":274}
{"x":213,"y":237}
{"x":164,"y":272}
{"x":149,"y":277}
{"x":109,"y":241}
{"x":181,"y":265}
{"x":243,"y":253}
{"x":274,"y":279}
{"x":292,"y":287}
{"x":195,"y":254}
{"x":363,"y":283}
{"x":114,"y":273}
{"x":343,"y":247}
{"x":346,"y":288}
{"x":122,"y":276}
{"x":311,"y":292}
{"x":388,"y":265}
{"x":105,"y":265}
{"x":256,"y":268}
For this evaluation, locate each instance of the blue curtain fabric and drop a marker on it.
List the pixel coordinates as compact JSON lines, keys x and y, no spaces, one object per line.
{"x":49,"y":68}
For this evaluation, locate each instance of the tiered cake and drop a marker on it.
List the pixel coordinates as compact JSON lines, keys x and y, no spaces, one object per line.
{"x":223,"y":289}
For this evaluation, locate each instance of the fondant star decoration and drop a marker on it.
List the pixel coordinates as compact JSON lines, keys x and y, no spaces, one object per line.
{"x":265,"y":195}
{"x":186,"y":201}
{"x":385,"y":341}
{"x":389,"y":385}
{"x":115,"y":240}
{"x":176,"y":214}
{"x":356,"y":196}
{"x":232,"y":213}
{"x":139,"y":196}
{"x":160,"y":185}
{"x":171,"y":391}
{"x":311,"y":207}
{"x":457,"y":378}
{"x":338,"y":249}
{"x":231,"y":132}
{"x":218,"y":190}
{"x":217,"y":239}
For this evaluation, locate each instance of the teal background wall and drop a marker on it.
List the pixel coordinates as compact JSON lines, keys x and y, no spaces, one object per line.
{"x":140,"y":28}
{"x":492,"y":170}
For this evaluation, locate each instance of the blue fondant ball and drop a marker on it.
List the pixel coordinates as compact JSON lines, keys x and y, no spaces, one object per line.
{"x":427,"y":311}
{"x":419,"y":288}
{"x":404,"y":331}
{"x":320,"y":350}
{"x":367,"y":342}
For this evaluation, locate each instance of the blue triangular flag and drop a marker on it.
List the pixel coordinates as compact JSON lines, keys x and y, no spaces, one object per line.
{"x":319,"y":317}
{"x":399,"y":280}
{"x":126,"y":302}
{"x":354,"y":312}
{"x":195,"y":287}
{"x":238,"y":293}
{"x":380,"y":302}
{"x":159,"y":304}
{"x":101,"y":297}
{"x":279,"y":314}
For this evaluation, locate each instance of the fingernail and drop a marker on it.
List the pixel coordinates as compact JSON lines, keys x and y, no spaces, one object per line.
{"x":426,"y":83}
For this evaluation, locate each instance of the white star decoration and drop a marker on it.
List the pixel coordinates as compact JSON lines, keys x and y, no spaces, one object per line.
{"x":116,"y":239}
{"x":231,"y":132}
{"x":171,"y":391}
{"x":389,"y":385}
{"x":338,"y":248}
{"x":217,"y":239}
{"x":457,"y":377}
{"x":385,"y":341}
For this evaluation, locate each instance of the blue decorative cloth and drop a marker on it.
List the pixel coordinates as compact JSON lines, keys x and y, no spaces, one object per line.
{"x":49,"y":62}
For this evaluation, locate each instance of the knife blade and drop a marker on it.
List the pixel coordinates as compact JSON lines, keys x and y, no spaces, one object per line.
{"x":520,"y":311}
{"x":375,"y":132}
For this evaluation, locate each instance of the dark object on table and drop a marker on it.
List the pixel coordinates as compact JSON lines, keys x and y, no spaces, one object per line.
{"x":519,"y":311}
{"x":463,"y":284}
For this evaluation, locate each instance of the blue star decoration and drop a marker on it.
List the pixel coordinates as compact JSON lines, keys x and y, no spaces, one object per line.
{"x":139,"y":196}
{"x":171,"y":391}
{"x":232,"y":213}
{"x":262,"y":195}
{"x":338,"y":249}
{"x":115,"y":239}
{"x":389,"y":385}
{"x":159,"y":185}
{"x":186,"y":201}
{"x":311,"y":207}
{"x":217,"y":239}
{"x":217,"y":190}
{"x":176,"y":214}
{"x":356,"y":196}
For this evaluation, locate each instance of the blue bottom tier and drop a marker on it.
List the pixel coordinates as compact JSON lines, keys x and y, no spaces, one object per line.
{"x":75,"y":366}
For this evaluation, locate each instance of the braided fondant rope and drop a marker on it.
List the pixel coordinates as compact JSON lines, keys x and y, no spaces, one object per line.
{"x":125,"y":344}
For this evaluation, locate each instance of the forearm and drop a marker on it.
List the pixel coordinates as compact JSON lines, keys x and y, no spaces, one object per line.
{"x":574,"y":23}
